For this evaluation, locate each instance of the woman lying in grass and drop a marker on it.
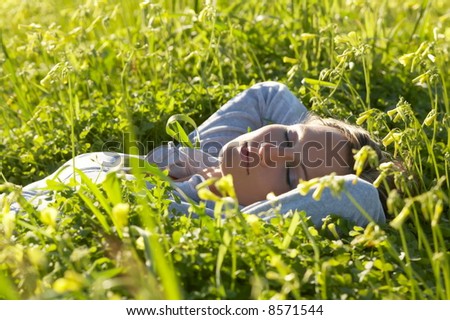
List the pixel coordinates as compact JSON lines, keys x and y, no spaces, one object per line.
{"x":267,"y":141}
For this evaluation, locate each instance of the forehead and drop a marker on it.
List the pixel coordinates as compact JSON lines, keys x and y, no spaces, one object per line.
{"x":326,"y":150}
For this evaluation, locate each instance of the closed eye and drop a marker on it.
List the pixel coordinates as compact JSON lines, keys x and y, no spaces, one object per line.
{"x":291,"y":179}
{"x":288,"y":178}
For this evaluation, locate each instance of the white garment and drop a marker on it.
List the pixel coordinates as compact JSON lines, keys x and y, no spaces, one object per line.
{"x":268,"y":103}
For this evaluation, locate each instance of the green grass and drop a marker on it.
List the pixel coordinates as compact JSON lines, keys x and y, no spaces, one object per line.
{"x":77,"y":76}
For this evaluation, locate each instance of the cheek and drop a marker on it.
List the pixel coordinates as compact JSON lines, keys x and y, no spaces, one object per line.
{"x":261,"y":182}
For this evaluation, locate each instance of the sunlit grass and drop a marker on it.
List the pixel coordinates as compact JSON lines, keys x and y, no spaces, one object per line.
{"x":95,"y":75}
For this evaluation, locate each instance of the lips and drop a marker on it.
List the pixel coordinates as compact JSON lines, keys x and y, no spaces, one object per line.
{"x":245,"y":158}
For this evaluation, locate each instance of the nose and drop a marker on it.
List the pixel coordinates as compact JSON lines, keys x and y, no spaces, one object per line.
{"x":272,"y":155}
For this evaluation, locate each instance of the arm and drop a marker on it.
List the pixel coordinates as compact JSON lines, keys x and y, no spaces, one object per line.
{"x":365,"y":195}
{"x":262,"y":104}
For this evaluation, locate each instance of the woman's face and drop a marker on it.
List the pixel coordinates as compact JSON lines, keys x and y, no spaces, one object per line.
{"x":275,"y":157}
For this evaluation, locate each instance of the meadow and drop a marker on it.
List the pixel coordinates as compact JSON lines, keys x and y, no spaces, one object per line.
{"x":76,"y":76}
